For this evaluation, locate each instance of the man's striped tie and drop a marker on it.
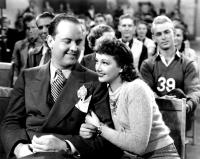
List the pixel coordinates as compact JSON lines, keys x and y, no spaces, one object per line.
{"x":57,"y":86}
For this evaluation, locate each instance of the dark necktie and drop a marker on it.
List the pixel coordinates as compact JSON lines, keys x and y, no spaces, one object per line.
{"x":57,"y":86}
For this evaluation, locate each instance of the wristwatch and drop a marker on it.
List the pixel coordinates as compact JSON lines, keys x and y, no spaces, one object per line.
{"x":99,"y":129}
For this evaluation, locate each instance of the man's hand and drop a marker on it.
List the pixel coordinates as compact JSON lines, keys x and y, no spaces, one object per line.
{"x":22,"y":150}
{"x":48,"y":143}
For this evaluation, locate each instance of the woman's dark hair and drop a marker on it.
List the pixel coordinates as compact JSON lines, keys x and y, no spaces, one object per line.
{"x":121,"y":53}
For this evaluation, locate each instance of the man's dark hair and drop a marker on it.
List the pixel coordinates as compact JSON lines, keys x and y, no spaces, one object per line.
{"x":57,"y":19}
{"x":126,"y":16}
{"x":27,"y":17}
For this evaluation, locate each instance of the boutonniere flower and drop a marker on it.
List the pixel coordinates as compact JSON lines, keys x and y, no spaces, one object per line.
{"x":83,"y":104}
{"x":82,"y":92}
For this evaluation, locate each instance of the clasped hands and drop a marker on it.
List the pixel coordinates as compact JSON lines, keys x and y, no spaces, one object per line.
{"x":50,"y":143}
{"x":45,"y":143}
{"x":91,"y":125}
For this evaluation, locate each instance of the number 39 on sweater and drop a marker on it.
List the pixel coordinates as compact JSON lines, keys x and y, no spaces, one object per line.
{"x":166,"y":84}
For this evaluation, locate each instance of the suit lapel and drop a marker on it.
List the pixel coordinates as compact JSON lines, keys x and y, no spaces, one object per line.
{"x":38,"y":56}
{"x":68,"y":97}
{"x":40,"y":88}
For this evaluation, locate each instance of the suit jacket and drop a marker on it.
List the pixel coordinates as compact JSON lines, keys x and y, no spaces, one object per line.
{"x":30,"y":113}
{"x":35,"y":56}
{"x":89,"y":61}
{"x":20,"y":54}
{"x":139,"y":52}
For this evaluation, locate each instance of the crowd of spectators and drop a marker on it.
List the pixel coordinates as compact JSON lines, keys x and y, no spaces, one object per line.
{"x":145,"y":12}
{"x":135,"y":32}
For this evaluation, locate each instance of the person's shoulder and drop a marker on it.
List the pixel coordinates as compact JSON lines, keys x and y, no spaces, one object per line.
{"x":34,"y":70}
{"x":186,"y":59}
{"x":36,"y":50}
{"x":89,"y":74}
{"x":137,"y":43}
{"x":29,"y":74}
{"x":149,"y":42}
{"x":20,"y":42}
{"x":188,"y":63}
{"x":151,"y":60}
{"x":192,"y":53}
{"x":97,"y":87}
{"x":138,"y":85}
{"x":89,"y":57}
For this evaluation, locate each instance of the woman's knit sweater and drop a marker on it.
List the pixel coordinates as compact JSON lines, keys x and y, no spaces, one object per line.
{"x":137,"y":119}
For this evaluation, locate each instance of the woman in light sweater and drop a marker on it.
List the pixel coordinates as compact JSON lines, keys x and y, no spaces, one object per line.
{"x":182,"y":43}
{"x":139,"y":127}
{"x":141,"y":34}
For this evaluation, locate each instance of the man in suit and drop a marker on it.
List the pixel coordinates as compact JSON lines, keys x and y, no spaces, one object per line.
{"x":41,"y":55}
{"x":127,"y":29}
{"x":96,"y":32}
{"x":23,"y":47}
{"x":40,"y":119}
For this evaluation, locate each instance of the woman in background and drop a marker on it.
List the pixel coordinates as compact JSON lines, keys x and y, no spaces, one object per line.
{"x":182,"y":44}
{"x":141,"y":33}
{"x":139,"y":127}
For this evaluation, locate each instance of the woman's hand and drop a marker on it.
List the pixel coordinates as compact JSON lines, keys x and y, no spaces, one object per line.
{"x":87,"y":130}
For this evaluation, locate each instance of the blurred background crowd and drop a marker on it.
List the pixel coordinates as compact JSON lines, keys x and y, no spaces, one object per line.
{"x":91,"y":13}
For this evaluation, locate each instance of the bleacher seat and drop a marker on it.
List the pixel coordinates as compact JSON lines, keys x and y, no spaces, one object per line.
{"x":4,"y":100}
{"x":174,"y":114}
{"x":6,"y":74}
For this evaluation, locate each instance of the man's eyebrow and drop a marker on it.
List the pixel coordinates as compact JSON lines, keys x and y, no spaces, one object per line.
{"x":66,"y":39}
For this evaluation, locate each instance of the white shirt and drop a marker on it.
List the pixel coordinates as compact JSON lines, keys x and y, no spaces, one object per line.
{"x":53,"y":76}
{"x":170,"y":61}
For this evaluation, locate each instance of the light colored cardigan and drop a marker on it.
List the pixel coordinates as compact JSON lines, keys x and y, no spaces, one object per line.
{"x":138,"y":121}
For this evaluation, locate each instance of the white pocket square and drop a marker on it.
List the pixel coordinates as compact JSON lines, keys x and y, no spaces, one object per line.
{"x":83,"y":105}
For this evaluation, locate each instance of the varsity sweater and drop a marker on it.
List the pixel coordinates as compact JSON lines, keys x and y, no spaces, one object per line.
{"x":181,"y":73}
